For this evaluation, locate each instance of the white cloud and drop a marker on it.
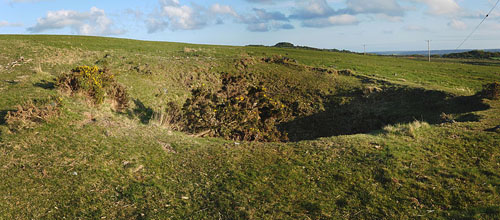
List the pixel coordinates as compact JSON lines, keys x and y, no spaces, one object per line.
{"x":94,"y":22}
{"x":336,"y":20}
{"x":312,"y":9}
{"x":457,"y":24}
{"x":261,"y":1}
{"x":342,"y":19}
{"x":175,"y":16}
{"x":269,"y":26}
{"x":386,"y":7}
{"x":155,"y":25}
{"x":223,"y":9}
{"x":441,"y":7}
{"x":183,"y":17}
{"x":414,"y":27}
{"x":8,"y":24}
{"x":262,"y":20}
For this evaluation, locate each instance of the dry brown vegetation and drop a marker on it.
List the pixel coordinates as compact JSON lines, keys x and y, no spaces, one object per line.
{"x":491,"y":91}
{"x":30,"y":113}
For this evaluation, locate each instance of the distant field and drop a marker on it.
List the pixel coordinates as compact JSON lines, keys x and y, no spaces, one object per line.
{"x":392,"y":138}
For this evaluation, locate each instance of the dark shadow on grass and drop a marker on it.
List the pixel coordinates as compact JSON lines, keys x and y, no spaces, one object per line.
{"x":365,"y":113}
{"x":469,"y":117}
{"x":12,"y":82}
{"x":45,"y":85}
{"x":3,"y":113}
{"x":494,"y":129}
{"x":141,"y":111}
{"x":476,"y":212}
{"x":482,"y":63}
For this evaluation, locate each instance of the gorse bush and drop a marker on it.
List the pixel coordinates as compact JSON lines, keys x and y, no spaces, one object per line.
{"x":236,"y":111}
{"x":90,"y":80}
{"x":95,"y":83}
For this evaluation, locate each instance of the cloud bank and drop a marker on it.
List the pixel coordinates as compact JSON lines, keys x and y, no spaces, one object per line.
{"x":94,"y":22}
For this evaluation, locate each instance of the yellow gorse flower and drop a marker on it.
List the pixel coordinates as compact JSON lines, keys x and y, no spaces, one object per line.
{"x":92,"y":74}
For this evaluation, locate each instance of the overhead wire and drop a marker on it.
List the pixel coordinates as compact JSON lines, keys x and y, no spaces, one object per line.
{"x":477,"y":27}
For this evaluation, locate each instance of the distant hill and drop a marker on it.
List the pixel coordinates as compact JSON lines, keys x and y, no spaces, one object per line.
{"x":394,"y":53}
{"x":425,"y":52}
{"x":475,"y":54}
{"x":290,"y":45}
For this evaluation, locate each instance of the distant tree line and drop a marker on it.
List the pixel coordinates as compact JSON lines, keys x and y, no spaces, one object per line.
{"x":290,"y":45}
{"x":474,"y":54}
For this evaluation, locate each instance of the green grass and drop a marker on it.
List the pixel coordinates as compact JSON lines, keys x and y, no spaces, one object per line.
{"x":91,"y":163}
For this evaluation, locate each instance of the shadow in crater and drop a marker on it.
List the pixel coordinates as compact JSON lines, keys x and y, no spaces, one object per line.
{"x":12,"y":82}
{"x":45,"y":84}
{"x":362,"y":112}
{"x":3,"y":113}
{"x":141,"y":111}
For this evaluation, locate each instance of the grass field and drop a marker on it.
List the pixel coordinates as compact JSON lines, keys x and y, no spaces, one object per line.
{"x":386,"y":155}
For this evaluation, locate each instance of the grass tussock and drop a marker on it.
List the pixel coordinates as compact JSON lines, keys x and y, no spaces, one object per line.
{"x":410,"y":129}
{"x":171,"y":117}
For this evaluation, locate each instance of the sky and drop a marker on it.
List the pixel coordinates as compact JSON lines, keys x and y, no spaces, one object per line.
{"x":381,"y":25}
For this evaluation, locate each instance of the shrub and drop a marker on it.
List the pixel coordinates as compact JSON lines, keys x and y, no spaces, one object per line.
{"x":118,"y":93}
{"x":95,"y":83}
{"x":171,"y":118}
{"x":237,"y":111}
{"x":30,"y":113}
{"x":491,"y":91}
{"x":284,"y":45}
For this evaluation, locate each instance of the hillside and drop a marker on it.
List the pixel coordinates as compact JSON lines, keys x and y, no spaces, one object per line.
{"x":367,"y":137}
{"x":474,"y":54}
{"x":433,"y":52}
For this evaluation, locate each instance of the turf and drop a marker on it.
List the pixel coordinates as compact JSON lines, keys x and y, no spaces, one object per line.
{"x":94,"y":163}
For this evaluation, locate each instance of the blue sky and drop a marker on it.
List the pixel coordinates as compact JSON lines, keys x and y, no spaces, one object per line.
{"x":343,"y":24}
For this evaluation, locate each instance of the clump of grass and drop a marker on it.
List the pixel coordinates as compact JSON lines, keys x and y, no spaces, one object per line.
{"x":94,"y":83}
{"x":278,"y":59}
{"x":346,"y":72}
{"x":244,"y":62}
{"x":28,"y":114}
{"x":491,"y":91}
{"x":410,"y":129}
{"x":447,"y":118}
{"x":171,"y":117}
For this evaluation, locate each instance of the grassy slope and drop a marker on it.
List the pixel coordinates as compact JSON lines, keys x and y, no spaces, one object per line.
{"x":116,"y":167}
